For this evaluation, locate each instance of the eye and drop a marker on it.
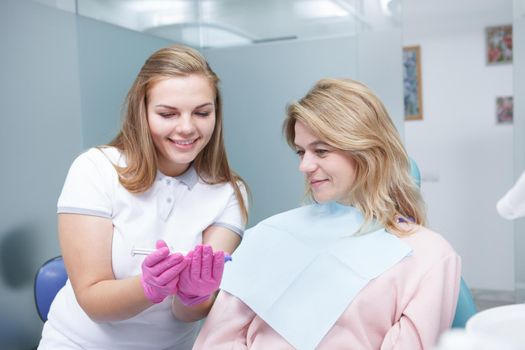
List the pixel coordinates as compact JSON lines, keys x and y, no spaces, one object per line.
{"x":203,"y":114}
{"x":166,"y":114}
{"x":300,"y":153}
{"x":321,"y":152}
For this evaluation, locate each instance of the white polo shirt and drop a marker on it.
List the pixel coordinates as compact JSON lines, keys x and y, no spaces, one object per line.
{"x":175,"y":209}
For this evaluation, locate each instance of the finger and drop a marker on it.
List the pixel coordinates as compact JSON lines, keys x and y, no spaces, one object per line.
{"x":172,"y":260}
{"x":156,"y":257}
{"x":218,"y":266}
{"x":161,"y":244}
{"x":196,"y":263}
{"x":171,"y":275}
{"x":207,"y":263}
{"x":178,"y":254}
{"x":188,"y":258}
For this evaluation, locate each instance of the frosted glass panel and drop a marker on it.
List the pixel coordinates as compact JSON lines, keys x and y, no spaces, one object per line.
{"x":226,"y":23}
{"x":519,"y":137}
{"x":109,"y":59}
{"x":40,"y":135}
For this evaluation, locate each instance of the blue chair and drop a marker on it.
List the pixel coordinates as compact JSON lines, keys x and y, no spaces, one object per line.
{"x":414,"y":171}
{"x":49,"y":279}
{"x":466,"y":307}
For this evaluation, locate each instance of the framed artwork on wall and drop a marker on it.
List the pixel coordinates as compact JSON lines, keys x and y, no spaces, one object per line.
{"x":412,"y":83}
{"x":498,"y":42}
{"x":504,"y":110}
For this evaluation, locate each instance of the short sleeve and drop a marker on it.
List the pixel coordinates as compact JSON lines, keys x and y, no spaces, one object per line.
{"x":87,"y":189}
{"x":231,"y":217}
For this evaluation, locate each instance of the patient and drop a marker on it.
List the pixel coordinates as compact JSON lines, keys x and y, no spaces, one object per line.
{"x":356,"y":269}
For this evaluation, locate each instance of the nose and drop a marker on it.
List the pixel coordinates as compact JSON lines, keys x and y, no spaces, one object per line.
{"x":308,"y":164}
{"x":185,"y":125}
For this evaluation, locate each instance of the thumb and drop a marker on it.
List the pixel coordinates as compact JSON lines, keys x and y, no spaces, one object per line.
{"x":161,"y":244}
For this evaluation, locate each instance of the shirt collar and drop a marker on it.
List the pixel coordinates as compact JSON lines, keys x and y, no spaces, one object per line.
{"x":188,"y":178}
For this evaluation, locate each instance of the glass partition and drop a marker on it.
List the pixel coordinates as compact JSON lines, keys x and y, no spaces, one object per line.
{"x":519,"y":137}
{"x":226,"y":23}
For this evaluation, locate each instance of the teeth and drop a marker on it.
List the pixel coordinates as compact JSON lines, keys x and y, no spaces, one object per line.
{"x":185,"y":142}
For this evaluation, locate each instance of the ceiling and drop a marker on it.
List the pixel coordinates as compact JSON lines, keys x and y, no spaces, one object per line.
{"x":219,"y":23}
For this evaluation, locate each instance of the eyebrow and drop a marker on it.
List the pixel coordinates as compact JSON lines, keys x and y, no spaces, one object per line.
{"x":199,"y":106}
{"x":315,"y":143}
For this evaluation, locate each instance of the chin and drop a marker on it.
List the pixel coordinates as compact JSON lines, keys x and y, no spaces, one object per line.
{"x":184,"y":159}
{"x":322,"y":199}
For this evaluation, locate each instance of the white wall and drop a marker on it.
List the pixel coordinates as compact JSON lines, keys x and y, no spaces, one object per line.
{"x":466,"y":159}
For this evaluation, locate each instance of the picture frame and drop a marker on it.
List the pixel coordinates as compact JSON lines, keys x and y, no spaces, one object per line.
{"x":504,"y":109}
{"x":498,"y":43}
{"x":412,"y":89}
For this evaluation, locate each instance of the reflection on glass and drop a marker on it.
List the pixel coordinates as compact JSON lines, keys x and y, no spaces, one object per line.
{"x":223,"y":23}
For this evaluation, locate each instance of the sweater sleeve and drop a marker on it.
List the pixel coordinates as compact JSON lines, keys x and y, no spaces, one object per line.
{"x":512,"y":204}
{"x":430,"y":310}
{"x":226,"y":325}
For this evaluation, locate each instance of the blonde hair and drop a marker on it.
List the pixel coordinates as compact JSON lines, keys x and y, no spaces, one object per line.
{"x":134,"y":139}
{"x":347,"y":115}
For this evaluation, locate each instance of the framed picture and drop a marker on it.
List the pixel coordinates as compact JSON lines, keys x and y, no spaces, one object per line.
{"x":498,"y":44}
{"x":504,"y":110}
{"x":412,"y":83}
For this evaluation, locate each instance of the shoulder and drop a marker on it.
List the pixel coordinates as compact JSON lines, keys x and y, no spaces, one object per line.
{"x":429,"y":246}
{"x":97,"y":161}
{"x":204,"y":185}
{"x":103,"y":155}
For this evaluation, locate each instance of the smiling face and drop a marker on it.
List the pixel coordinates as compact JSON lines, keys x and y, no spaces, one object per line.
{"x":330,"y":172}
{"x":181,"y":119}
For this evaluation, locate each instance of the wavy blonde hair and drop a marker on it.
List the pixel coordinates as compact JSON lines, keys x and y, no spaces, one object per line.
{"x":347,"y":115}
{"x":134,"y":139}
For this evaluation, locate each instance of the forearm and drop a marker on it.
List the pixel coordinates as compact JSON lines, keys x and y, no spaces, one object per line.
{"x":113,"y":300}
{"x":191,"y":313}
{"x":219,"y":238}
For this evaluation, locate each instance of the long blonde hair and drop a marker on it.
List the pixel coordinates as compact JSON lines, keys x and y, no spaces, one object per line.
{"x":134,"y":139}
{"x":347,"y":115}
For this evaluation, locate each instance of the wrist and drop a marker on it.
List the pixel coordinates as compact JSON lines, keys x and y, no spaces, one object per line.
{"x":151,"y":293}
{"x":191,"y":300}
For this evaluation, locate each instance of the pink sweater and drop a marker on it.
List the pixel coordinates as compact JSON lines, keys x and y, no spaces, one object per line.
{"x":405,"y":308}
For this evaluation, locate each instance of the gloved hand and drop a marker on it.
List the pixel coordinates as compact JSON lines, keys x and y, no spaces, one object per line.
{"x":160,"y":273}
{"x":201,"y":276}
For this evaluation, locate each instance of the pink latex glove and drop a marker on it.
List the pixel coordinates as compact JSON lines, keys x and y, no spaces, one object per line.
{"x":201,"y":276}
{"x":160,"y":273}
